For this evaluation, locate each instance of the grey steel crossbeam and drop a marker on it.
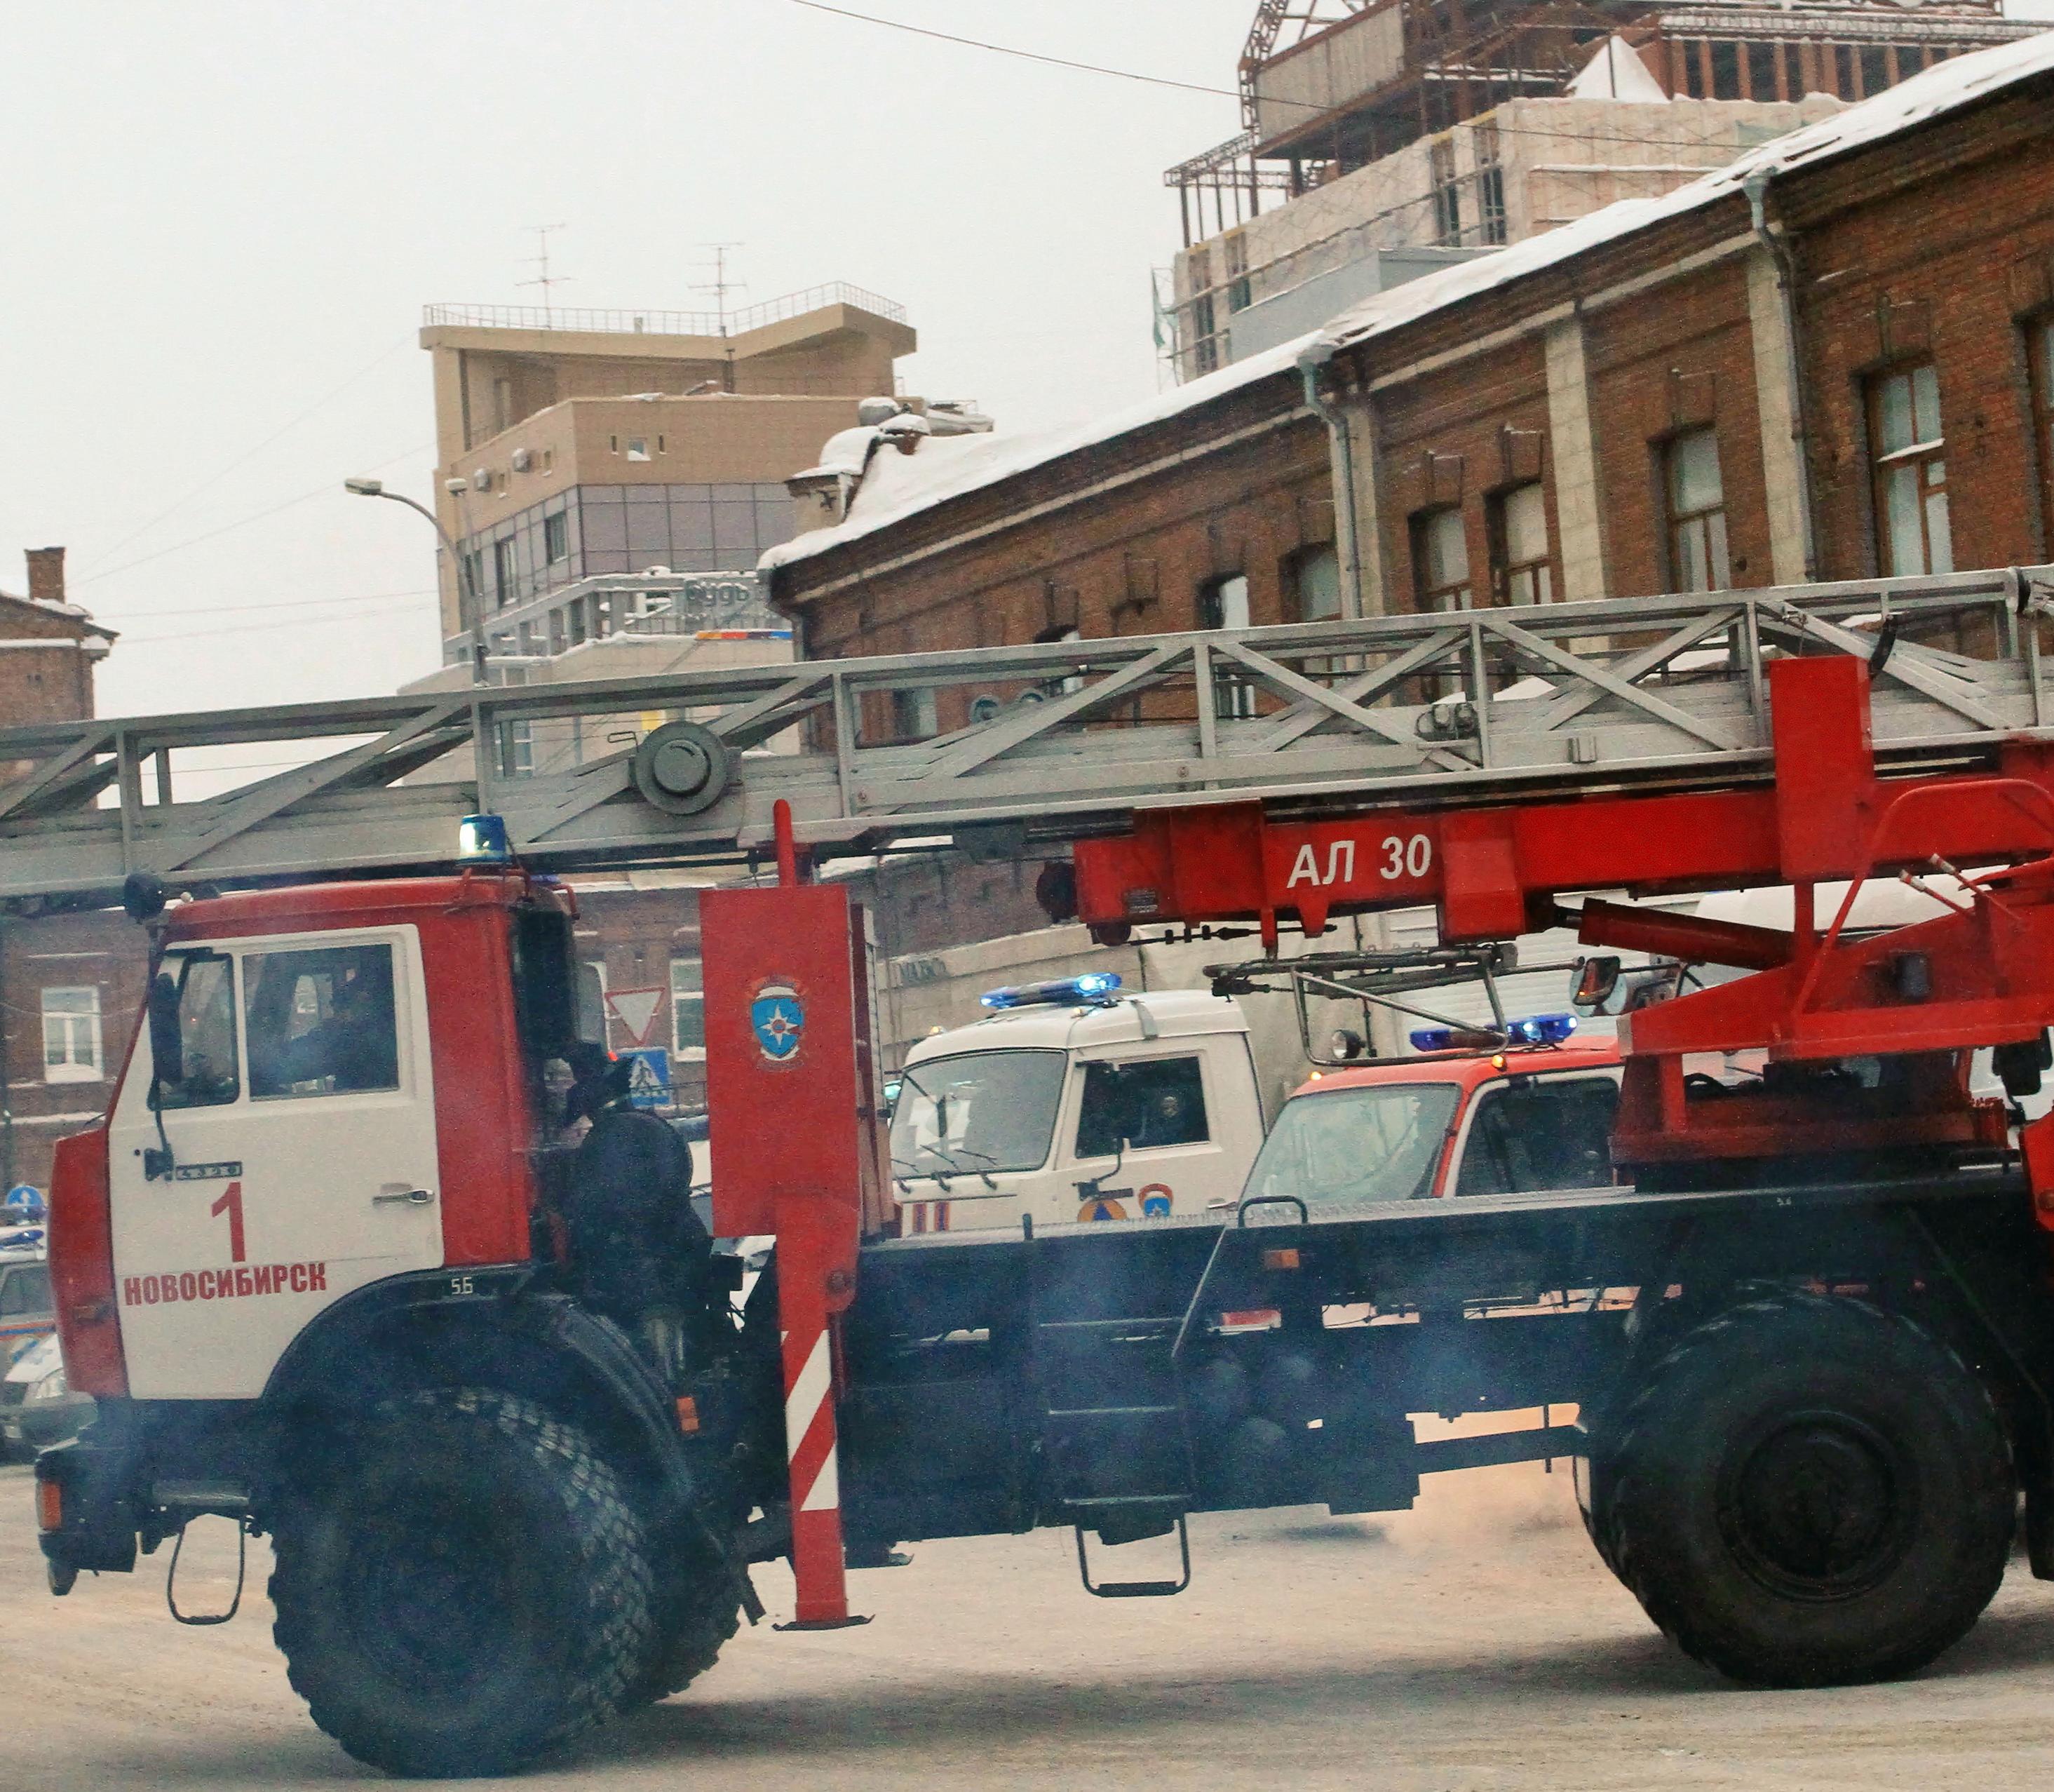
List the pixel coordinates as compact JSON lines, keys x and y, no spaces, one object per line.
{"x":1015,"y":745}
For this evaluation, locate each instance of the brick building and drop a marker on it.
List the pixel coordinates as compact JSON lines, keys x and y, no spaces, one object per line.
{"x":1834,"y":358}
{"x":48,"y":647}
{"x":1675,"y":393}
{"x":69,"y":981}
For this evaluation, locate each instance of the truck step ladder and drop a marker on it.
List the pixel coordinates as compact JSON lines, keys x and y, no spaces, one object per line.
{"x":1119,"y":1462}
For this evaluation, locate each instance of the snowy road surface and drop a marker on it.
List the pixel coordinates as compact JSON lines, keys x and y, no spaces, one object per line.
{"x":1475,"y":1642}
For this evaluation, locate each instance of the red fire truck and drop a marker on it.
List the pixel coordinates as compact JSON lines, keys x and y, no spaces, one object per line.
{"x":322,"y":1277}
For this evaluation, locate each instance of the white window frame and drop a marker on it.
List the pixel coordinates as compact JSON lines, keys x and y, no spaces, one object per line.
{"x":1529,"y":580}
{"x":78,"y":1025}
{"x":1697,"y":537}
{"x":694,"y":998}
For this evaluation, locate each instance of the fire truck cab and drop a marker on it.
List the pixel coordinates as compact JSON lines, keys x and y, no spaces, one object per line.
{"x":323,"y":1099}
{"x":1518,"y":1121}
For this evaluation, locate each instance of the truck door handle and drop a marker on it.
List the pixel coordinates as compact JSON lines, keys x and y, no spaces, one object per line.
{"x":399,"y":1191}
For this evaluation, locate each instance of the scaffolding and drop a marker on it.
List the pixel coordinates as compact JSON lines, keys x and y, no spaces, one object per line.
{"x":1329,"y":86}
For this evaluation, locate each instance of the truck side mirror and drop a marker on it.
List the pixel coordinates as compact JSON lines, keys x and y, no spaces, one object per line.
{"x":166,"y":1043}
{"x":1597,"y":980}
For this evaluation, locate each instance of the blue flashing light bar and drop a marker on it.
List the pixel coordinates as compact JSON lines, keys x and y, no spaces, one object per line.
{"x":1094,"y":988}
{"x":1528,"y":1030}
{"x":481,"y":839}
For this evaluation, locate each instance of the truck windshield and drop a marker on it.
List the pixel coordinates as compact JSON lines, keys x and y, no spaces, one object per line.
{"x":981,"y":1111}
{"x":1378,"y":1143}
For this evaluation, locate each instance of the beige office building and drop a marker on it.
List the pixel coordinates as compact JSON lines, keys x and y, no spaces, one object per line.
{"x":574,"y":446}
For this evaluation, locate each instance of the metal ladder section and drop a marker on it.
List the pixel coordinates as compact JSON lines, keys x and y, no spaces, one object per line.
{"x":1063,"y":738}
{"x":1111,"y":1462}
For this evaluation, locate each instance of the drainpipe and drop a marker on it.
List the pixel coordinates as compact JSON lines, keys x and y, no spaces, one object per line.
{"x":6,"y":1092}
{"x":1756,"y":187}
{"x":1311,"y":363}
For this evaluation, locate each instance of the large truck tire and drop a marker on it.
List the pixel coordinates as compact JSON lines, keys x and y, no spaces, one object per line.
{"x":1807,"y":1490}
{"x":697,"y":1608}
{"x":466,"y":1587}
{"x":1594,"y":1481}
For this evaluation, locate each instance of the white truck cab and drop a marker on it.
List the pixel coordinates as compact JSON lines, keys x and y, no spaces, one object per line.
{"x":1072,"y":1102}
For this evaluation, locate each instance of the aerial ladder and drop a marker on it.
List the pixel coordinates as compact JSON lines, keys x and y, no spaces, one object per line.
{"x":1515,"y":769}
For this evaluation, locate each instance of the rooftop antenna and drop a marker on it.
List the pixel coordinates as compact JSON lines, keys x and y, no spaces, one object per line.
{"x":540,"y":261}
{"x":720,"y":286}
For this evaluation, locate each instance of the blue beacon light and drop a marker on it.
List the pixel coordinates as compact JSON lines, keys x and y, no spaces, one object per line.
{"x":1528,"y":1030}
{"x":481,"y":839}
{"x":1094,"y":988}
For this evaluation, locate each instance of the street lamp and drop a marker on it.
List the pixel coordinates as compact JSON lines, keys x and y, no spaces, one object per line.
{"x":471,"y":611}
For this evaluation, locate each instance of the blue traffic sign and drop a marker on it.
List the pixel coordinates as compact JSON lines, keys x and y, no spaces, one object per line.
{"x":649,"y":1077}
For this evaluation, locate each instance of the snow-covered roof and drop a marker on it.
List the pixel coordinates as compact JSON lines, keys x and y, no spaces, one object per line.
{"x":71,"y":613}
{"x":898,"y":485}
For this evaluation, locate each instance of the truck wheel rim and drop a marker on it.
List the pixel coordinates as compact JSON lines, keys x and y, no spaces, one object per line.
{"x":1817,"y":1505}
{"x":426,"y":1600}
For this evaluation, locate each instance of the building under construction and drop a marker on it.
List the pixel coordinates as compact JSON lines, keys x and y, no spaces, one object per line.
{"x":1382,"y":138}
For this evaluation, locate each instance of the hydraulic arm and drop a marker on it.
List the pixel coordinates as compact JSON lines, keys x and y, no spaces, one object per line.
{"x":1908,"y":1004}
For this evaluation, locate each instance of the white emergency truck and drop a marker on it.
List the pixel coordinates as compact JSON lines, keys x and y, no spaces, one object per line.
{"x":1075,"y":1101}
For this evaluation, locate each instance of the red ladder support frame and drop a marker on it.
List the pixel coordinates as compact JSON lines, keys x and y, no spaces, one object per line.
{"x":1494,"y":872}
{"x":790,"y":1085}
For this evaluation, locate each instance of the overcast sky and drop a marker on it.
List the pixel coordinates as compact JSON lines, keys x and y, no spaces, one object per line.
{"x":220,"y":222}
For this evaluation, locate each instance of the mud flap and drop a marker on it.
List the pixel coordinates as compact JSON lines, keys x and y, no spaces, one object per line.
{"x":85,"y":1491}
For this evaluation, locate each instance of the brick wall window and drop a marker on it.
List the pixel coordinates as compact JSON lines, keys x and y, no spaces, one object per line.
{"x":1312,"y":583}
{"x":71,"y":1035}
{"x":1697,"y":512}
{"x":2040,"y":344}
{"x":1909,"y":452}
{"x":687,"y":1009}
{"x":1441,"y":560}
{"x":914,"y":715}
{"x":1223,"y":604}
{"x":1520,"y":572}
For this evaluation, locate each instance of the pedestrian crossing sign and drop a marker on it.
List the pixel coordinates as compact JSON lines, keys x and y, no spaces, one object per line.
{"x":649,"y":1077}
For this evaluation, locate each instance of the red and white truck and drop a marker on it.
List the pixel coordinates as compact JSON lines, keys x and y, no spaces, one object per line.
{"x":326,"y":1274}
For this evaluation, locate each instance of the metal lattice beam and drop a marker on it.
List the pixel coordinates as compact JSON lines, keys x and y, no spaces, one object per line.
{"x":1047,"y":742}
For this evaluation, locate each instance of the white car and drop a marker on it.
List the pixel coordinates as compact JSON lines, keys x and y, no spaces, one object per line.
{"x":28,"y":1314}
{"x":37,"y":1407}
